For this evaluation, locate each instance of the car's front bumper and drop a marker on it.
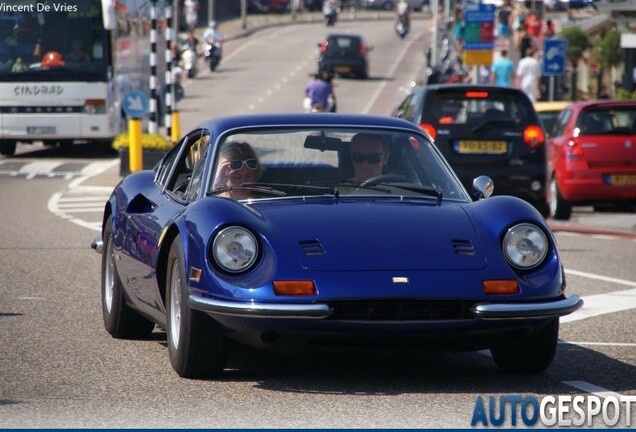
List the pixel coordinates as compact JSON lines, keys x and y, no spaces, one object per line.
{"x":481,"y":311}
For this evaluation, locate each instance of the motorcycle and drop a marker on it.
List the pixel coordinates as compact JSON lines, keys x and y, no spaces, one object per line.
{"x":309,"y":107}
{"x":212,"y":53}
{"x":330,"y":11}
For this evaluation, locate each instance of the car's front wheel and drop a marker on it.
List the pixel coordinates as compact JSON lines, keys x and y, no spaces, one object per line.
{"x":120,"y":320}
{"x":559,"y":208}
{"x":196,"y":349}
{"x":528,"y":355}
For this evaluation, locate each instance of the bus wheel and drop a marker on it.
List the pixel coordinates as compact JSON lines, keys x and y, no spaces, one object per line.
{"x":7,"y":148}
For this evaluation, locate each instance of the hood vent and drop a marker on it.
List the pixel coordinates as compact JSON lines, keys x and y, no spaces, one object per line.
{"x":311,"y":248}
{"x":463,"y":247}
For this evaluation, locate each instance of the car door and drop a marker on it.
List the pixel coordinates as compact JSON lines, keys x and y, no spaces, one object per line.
{"x":150,"y":211}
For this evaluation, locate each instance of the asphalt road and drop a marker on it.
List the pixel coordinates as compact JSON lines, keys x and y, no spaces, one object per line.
{"x":60,"y":369}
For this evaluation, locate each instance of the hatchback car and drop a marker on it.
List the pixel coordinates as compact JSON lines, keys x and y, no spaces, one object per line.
{"x":318,"y":231}
{"x":345,"y":55}
{"x":592,"y":157}
{"x":487,"y":130}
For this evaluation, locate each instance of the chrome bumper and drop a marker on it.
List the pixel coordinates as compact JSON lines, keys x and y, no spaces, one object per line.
{"x":97,"y":245}
{"x":258,"y":310}
{"x":550,"y":309}
{"x":499,"y":311}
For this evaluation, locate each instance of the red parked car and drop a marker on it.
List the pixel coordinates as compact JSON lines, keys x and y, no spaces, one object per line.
{"x":592,"y":157}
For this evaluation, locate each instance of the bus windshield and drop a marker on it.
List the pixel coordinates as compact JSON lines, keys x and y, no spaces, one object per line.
{"x":52,"y":41}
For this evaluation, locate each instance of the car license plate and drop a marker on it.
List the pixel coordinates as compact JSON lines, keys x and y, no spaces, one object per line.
{"x":477,"y":146}
{"x":41,"y":130}
{"x":623,"y":179}
{"x":342,"y":69}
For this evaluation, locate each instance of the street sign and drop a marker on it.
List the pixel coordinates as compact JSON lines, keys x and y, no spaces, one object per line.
{"x":554,"y":55}
{"x":479,"y":22}
{"x":135,"y":104}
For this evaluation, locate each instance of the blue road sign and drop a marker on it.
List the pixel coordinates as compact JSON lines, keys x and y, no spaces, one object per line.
{"x":554,"y":55}
{"x":135,"y":104}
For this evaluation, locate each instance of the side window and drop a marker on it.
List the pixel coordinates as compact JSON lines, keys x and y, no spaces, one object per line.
{"x":562,"y":121}
{"x":192,"y":191}
{"x":192,"y":151}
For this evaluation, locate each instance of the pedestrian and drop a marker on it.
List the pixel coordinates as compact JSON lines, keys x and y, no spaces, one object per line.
{"x":504,"y":18}
{"x":503,"y":71}
{"x":550,"y":31}
{"x":568,"y":19}
{"x":458,"y":30}
{"x":191,"y":13}
{"x":529,"y":74}
{"x":524,"y":41}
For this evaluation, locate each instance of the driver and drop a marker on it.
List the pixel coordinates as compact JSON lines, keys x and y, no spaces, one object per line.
{"x":369,"y":154}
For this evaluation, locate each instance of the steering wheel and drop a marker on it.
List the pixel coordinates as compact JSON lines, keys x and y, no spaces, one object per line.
{"x":385,"y":178}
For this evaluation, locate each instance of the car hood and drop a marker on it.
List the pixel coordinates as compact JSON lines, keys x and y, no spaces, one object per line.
{"x":359,"y":235}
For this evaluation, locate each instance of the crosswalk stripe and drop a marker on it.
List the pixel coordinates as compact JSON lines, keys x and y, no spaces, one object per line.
{"x":33,"y":169}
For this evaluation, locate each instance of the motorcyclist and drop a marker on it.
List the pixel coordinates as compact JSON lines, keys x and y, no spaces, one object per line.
{"x":330,"y":9}
{"x":214,"y":36}
{"x":403,"y":11}
{"x":319,"y":94}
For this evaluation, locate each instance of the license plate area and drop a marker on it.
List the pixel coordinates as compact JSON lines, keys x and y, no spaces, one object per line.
{"x":622,"y":179}
{"x":342,"y":69}
{"x":481,"y":147}
{"x":40,"y":130}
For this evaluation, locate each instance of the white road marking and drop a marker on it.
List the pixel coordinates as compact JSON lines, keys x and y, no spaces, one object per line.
{"x":38,"y":168}
{"x":591,"y":388}
{"x":601,"y":304}
{"x":601,"y":277}
{"x":610,"y":344}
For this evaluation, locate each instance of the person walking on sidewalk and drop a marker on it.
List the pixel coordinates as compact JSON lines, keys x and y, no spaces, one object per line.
{"x":529,"y":74}
{"x":503,"y":71}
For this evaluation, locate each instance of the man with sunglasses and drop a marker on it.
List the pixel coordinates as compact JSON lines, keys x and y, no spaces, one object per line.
{"x":238,"y":164}
{"x":369,"y":154}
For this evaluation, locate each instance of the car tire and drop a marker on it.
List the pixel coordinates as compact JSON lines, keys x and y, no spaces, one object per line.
{"x":196,"y":348}
{"x":7,"y":148}
{"x":528,"y":355}
{"x":120,"y":320}
{"x":560,"y":209}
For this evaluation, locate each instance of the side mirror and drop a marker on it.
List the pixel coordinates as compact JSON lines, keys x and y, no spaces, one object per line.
{"x":483,"y":187}
{"x":369,"y":47}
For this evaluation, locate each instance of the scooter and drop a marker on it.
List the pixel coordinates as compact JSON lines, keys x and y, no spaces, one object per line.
{"x":212,"y":53}
{"x":189,"y":57}
{"x":402,"y":27}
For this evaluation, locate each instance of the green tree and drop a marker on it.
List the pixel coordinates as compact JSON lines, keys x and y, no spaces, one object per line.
{"x":610,"y":52}
{"x":578,"y":42}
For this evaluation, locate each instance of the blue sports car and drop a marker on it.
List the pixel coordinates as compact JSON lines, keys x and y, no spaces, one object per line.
{"x":318,"y":231}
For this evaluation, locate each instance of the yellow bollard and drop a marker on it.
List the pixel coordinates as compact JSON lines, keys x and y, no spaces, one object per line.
{"x":134,"y":148}
{"x":176,"y":127}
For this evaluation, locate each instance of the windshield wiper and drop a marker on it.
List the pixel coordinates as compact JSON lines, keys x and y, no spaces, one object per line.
{"x":248,"y":187}
{"x":494,"y":122}
{"x":424,"y":190}
{"x":331,"y":190}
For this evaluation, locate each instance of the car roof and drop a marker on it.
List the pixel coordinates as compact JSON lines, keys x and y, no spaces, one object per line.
{"x":603,"y":103}
{"x":221,"y":124}
{"x":550,"y":105}
{"x":343,"y":35}
{"x":466,"y":87}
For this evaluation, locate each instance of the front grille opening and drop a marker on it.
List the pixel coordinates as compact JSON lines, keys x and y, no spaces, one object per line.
{"x":401,"y":309}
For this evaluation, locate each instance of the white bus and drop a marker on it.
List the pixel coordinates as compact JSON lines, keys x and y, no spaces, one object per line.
{"x":64,"y":67}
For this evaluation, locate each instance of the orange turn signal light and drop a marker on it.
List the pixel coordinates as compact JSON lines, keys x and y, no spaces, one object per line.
{"x":294,"y":287}
{"x":500,"y":287}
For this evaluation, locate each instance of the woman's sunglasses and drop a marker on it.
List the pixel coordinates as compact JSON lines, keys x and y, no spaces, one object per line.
{"x":238,"y":164}
{"x":371,"y":158}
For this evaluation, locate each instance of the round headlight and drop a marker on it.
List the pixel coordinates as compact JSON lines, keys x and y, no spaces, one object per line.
{"x":525,"y":246}
{"x":235,"y":249}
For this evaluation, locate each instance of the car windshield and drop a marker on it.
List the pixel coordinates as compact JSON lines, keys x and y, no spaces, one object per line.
{"x":474,"y":108}
{"x":616,"y":121}
{"x":307,"y":162}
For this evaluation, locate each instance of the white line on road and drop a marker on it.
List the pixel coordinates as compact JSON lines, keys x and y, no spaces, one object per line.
{"x":610,"y":344}
{"x":591,"y":388}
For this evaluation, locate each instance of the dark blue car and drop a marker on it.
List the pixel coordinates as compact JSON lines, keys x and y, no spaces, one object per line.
{"x":299,"y":231}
